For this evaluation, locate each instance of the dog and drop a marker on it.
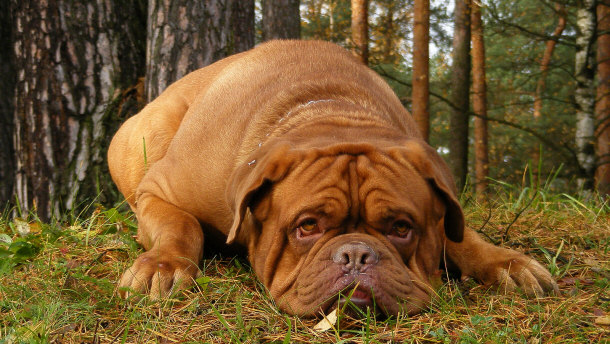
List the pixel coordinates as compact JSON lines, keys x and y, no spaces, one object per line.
{"x":306,"y":158}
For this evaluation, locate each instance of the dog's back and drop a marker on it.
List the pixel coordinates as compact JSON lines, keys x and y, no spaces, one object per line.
{"x":246,"y":93}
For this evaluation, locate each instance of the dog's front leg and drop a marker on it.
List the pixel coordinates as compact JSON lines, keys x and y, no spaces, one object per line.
{"x":493,"y":265}
{"x":173,"y":240}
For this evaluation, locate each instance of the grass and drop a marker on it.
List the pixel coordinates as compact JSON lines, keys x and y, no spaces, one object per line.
{"x":57,"y":285}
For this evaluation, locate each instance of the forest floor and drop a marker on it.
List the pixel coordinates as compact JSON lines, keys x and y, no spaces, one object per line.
{"x":58,"y":285}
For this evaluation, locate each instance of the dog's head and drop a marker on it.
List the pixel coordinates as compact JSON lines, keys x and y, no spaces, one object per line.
{"x":346,"y":219}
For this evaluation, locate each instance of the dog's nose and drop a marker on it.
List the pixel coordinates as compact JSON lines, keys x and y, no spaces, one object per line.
{"x":355,"y":256}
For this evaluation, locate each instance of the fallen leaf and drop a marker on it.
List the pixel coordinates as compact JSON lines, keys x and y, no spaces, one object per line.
{"x":72,"y":263}
{"x":327,"y":323}
{"x":603,"y":321}
{"x":592,"y":262}
{"x":65,"y":329}
{"x":35,"y":227}
{"x":567,"y":281}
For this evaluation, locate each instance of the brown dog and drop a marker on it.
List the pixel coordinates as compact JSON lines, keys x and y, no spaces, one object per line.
{"x":305,"y":157}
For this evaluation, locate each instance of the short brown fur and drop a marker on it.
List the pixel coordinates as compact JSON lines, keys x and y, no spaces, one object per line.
{"x":291,"y":133}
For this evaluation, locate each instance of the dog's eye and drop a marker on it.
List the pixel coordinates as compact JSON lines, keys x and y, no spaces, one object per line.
{"x":401,"y":228}
{"x":308,"y":227}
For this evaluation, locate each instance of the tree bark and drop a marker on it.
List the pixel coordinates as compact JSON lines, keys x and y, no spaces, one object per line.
{"x":185,"y":35}
{"x":73,"y":61}
{"x":421,"y":82}
{"x":479,"y":104}
{"x":360,"y":29}
{"x":460,"y":86}
{"x":541,"y":86}
{"x":243,"y":25}
{"x":7,"y":99}
{"x":281,"y":19}
{"x":584,"y":93}
{"x":602,"y":106}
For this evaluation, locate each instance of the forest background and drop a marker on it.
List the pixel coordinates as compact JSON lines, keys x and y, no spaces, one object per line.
{"x":73,"y":71}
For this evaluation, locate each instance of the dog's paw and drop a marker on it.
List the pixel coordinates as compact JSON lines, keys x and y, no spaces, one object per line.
{"x":158,"y":275}
{"x":510,"y":270}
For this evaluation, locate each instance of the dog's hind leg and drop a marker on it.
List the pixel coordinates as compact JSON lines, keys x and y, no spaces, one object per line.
{"x":142,"y":141}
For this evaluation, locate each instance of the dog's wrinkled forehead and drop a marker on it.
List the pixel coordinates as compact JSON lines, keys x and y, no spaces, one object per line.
{"x":366,"y":185}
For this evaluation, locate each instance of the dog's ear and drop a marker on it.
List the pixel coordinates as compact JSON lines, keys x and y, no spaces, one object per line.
{"x":267,"y":165}
{"x":432,"y":168}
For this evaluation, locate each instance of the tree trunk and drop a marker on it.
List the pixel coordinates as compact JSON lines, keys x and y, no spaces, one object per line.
{"x":331,"y":18}
{"x":460,"y":86}
{"x":546,"y":58}
{"x":185,"y":35}
{"x":602,"y":106}
{"x":313,"y":17}
{"x":479,"y":104}
{"x":387,"y":34}
{"x":421,"y":82}
{"x":73,"y":61}
{"x":360,"y":29}
{"x":7,"y":99}
{"x":243,"y":25}
{"x":541,"y":86}
{"x":281,"y":19}
{"x":584,"y":93}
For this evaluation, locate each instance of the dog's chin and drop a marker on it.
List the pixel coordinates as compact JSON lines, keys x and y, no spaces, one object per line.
{"x":359,"y":295}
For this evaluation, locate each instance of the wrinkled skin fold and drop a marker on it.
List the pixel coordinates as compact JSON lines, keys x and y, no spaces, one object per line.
{"x":303,"y":156}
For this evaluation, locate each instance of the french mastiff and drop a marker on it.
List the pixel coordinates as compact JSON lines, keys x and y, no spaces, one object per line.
{"x":307,"y":159}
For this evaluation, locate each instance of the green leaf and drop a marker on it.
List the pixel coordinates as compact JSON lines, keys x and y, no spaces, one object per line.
{"x":203,"y":281}
{"x":5,"y":238}
{"x":4,"y":253}
{"x":23,"y":250}
{"x":477,"y":319}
